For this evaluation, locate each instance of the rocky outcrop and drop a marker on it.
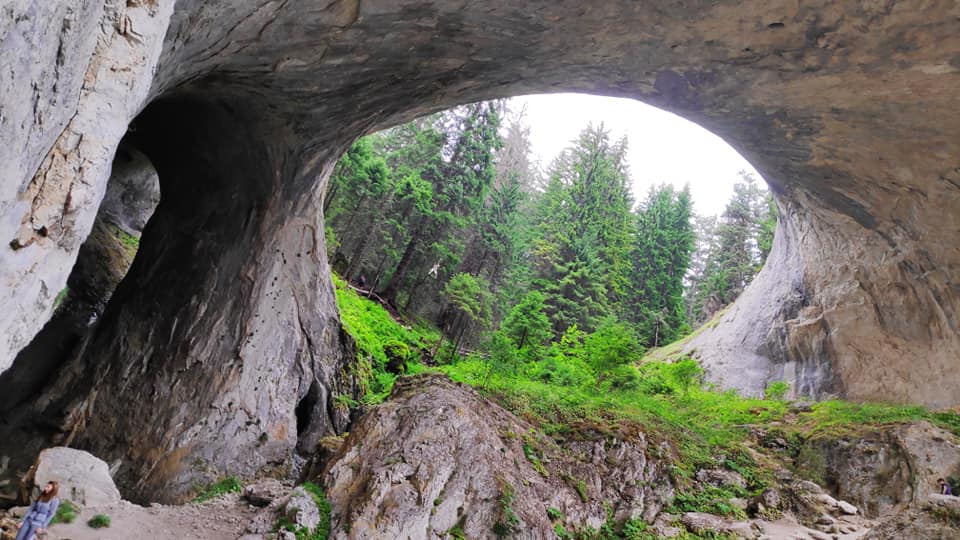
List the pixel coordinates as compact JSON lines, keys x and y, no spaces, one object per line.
{"x":226,"y":323}
{"x":437,"y":457}
{"x":104,"y":258}
{"x":884,"y":471}
{"x":936,"y":519}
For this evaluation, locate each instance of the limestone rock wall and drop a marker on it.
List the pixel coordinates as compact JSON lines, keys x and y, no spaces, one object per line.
{"x":74,"y":75}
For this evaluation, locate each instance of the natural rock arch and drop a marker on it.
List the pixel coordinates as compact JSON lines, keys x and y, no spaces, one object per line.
{"x":848,"y":109}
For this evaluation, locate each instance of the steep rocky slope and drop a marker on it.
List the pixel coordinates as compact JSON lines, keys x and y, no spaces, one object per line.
{"x":438,"y":460}
{"x":438,"y":457}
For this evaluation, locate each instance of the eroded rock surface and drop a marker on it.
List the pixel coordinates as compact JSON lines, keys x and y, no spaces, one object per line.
{"x":884,"y":472}
{"x":437,"y":456}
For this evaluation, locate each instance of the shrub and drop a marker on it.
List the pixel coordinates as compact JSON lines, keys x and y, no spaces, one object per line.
{"x":99,"y":521}
{"x":569,"y":372}
{"x":687,"y":374}
{"x":777,"y":390}
{"x":624,"y":378}
{"x":612,"y":345}
{"x":230,"y":484}
{"x":66,"y":513}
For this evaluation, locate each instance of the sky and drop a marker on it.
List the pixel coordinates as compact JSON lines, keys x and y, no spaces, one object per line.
{"x":661,"y":147}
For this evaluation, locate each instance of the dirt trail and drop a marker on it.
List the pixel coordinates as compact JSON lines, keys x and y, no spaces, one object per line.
{"x":221,"y":519}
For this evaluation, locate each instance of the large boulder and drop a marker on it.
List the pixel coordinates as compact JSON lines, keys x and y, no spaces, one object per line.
{"x":437,"y":456}
{"x":84,"y":479}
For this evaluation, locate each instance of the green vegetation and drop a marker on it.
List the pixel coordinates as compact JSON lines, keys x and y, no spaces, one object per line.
{"x":448,"y":219}
{"x":582,"y":491}
{"x":230,"y":484}
{"x":731,"y":249}
{"x":456,"y":533}
{"x":508,"y":522}
{"x":66,"y":512}
{"x":544,"y":291}
{"x":130,"y":242}
{"x":777,"y":390}
{"x":379,"y":339}
{"x":567,"y":393}
{"x":99,"y":521}
{"x":322,"y":532}
{"x":61,"y":296}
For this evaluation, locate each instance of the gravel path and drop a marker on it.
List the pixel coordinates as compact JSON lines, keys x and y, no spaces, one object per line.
{"x":221,"y":519}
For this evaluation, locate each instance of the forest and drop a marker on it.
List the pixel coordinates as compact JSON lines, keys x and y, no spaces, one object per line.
{"x":547,"y":289}
{"x":450,"y":222}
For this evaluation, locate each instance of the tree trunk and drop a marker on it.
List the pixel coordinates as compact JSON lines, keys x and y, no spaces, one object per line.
{"x":400,"y":273}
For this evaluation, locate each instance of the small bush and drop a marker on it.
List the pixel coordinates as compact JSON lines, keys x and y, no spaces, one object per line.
{"x":624,"y":378}
{"x":582,"y":491}
{"x":687,"y":374}
{"x":230,"y":484}
{"x":66,"y":513}
{"x":777,"y":390}
{"x":554,"y":514}
{"x":99,"y":521}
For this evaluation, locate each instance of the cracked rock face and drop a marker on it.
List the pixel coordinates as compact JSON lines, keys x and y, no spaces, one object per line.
{"x":436,"y":456}
{"x":226,"y":321}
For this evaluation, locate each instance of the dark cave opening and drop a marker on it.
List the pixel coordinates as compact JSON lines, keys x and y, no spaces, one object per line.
{"x":131,"y":197}
{"x":305,"y":409}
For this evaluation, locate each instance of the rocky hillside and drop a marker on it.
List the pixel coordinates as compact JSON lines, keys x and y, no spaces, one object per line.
{"x":437,"y":457}
{"x":438,"y":460}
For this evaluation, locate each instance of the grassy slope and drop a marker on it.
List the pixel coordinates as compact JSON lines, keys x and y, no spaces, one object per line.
{"x":708,"y":428}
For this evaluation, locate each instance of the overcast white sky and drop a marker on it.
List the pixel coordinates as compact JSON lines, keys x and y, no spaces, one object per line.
{"x":662,"y":147}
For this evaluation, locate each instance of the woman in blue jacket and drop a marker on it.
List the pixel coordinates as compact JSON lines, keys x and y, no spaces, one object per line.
{"x":40,"y":513}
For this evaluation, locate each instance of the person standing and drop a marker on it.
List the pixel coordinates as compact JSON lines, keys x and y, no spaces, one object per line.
{"x":40,"y":513}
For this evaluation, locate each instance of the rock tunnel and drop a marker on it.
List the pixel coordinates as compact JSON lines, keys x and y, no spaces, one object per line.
{"x":225,"y":328}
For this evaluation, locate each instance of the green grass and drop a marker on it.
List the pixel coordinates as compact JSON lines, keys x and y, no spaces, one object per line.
{"x":562,"y":397}
{"x":99,"y":521}
{"x":130,"y":242}
{"x":376,"y":334}
{"x":230,"y":484}
{"x":676,"y":350}
{"x":66,"y":513}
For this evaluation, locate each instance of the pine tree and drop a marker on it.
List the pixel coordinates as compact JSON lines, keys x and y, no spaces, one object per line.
{"x":742,"y":239}
{"x":581,"y":243}
{"x":663,"y":249}
{"x":527,"y":325}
